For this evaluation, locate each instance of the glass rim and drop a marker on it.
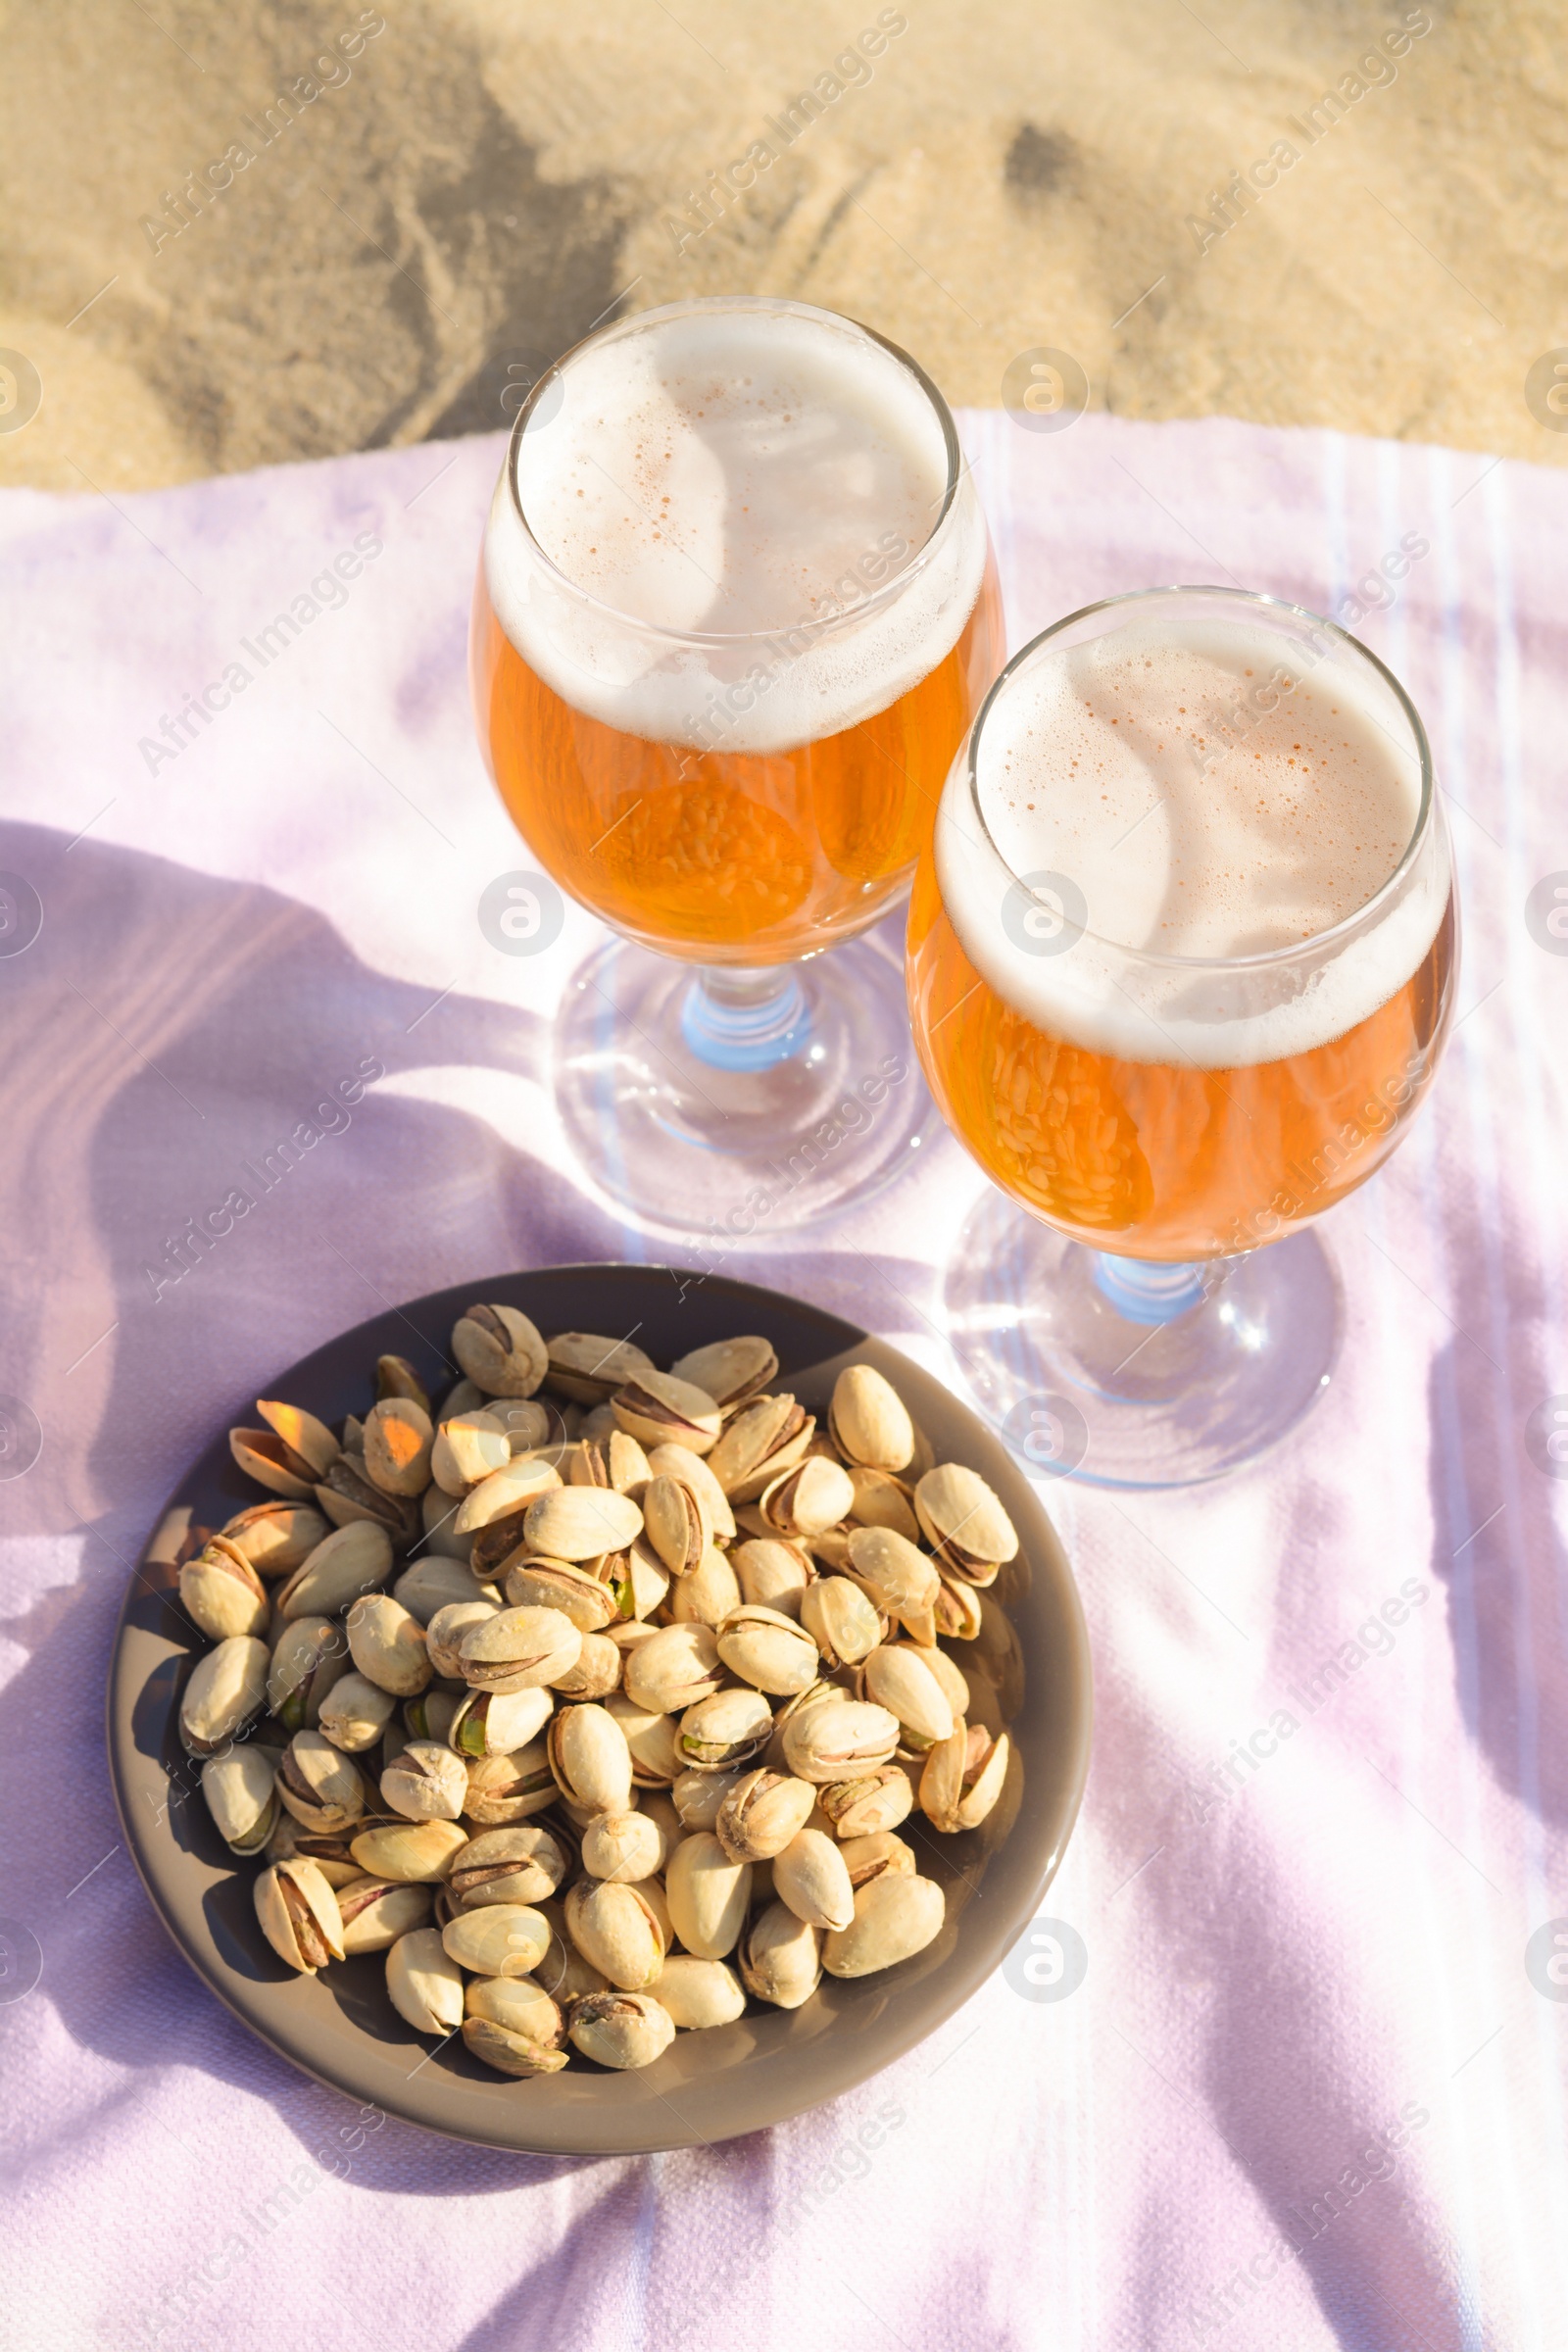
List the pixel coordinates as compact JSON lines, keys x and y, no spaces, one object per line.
{"x":637,"y":320}
{"x":1265,"y":959}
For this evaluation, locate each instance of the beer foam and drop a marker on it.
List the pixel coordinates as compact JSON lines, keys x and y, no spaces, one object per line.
{"x":751,"y":473}
{"x":1204,"y":790}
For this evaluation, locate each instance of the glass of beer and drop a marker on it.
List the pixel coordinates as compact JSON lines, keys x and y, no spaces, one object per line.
{"x":735,"y":613}
{"x":1181,"y":964}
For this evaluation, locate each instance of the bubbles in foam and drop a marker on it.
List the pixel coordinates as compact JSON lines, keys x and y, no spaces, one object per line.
{"x":1211,"y":790}
{"x":747,"y":472}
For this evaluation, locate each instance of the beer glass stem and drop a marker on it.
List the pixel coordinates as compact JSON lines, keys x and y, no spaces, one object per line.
{"x":1146,"y":1291}
{"x":736,"y":1018}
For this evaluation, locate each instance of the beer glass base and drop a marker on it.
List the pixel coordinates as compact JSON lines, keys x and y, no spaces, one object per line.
{"x":1128,"y":1373}
{"x":737,"y":1105}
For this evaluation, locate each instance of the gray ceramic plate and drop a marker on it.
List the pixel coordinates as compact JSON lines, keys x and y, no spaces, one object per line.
{"x":341,"y":2025}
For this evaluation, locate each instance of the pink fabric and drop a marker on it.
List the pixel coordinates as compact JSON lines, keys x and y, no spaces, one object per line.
{"x":1279,"y":1972}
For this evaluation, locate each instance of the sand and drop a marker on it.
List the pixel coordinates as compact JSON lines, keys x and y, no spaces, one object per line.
{"x":485,"y":181}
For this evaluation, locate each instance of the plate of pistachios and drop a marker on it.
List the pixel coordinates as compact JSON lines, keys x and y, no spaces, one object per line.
{"x":599,"y":1709}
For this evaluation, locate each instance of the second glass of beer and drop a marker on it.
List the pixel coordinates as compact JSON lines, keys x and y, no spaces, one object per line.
{"x":735,"y":614}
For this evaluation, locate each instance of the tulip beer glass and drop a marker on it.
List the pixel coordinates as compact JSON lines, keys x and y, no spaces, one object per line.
{"x":1181,"y":965}
{"x":735,"y":612}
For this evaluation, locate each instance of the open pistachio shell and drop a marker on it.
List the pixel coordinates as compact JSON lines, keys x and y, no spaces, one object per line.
{"x":225,"y":1690}
{"x":398,"y":1440}
{"x":524,"y":1864}
{"x":425,"y":1985}
{"x":869,"y":1421}
{"x":498,"y":1939}
{"x":512,"y":2024}
{"x":375,"y":1912}
{"x":499,"y":1350}
{"x":299,"y":1915}
{"x":621,"y":2028}
{"x":708,"y":1895}
{"x":223,"y":1593}
{"x":780,"y":1957}
{"x":414,"y":1852}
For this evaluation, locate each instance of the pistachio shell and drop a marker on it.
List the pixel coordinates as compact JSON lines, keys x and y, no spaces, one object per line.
{"x":221,"y":1591}
{"x":809,"y":1500}
{"x":395,"y":1376}
{"x":589,"y":1756}
{"x":764,"y":1437}
{"x":597,"y":1673}
{"x":437,"y":1582}
{"x":651,"y":1738}
{"x":809,"y":1875}
{"x":965,"y":1522}
{"x":388,"y":1645}
{"x":710,"y":1595}
{"x":319,"y":1785}
{"x":521,"y":1483}
{"x":621,"y":2028}
{"x":875,"y":1856}
{"x":678,"y":1523}
{"x":510,"y":1787}
{"x":523,"y":1864}
{"x":617,"y":1931}
{"x":579,"y":1523}
{"x":729,"y":1370}
{"x":768,"y":1649}
{"x":468,"y":1448}
{"x":773,"y":1574}
{"x":310,"y":1656}
{"x":896,"y":1571}
{"x":518,"y":1648}
{"x":894,"y":1917}
{"x":843,"y":1621}
{"x":355,"y":1713}
{"x":834,"y":1740}
{"x":658,"y":1410}
{"x":348,"y":1497}
{"x":498,"y":1940}
{"x":700,"y":1993}
{"x":881,"y":1500}
{"x":276,"y":1537}
{"x":540,"y":1583}
{"x":398,"y":1438}
{"x":760,"y":1813}
{"x":411,"y":1852}
{"x":726,"y":1729}
{"x":963,"y":1776}
{"x":240,"y":1789}
{"x":495,"y":1723}
{"x":955,"y":1610}
{"x":780,"y":1957}
{"x":868,"y":1801}
{"x":375,"y":1912}
{"x":425,"y":1985}
{"x":698,"y":1798}
{"x":298,"y":1914}
{"x":708,"y":1895}
{"x":500,"y":1350}
{"x":351,"y":1561}
{"x":589,"y":1368}
{"x":622,"y":1845}
{"x":868,"y":1420}
{"x":225,"y":1690}
{"x":443,"y":1632}
{"x":513,"y":2024}
{"x":679,"y":1462}
{"x":679,"y":1665}
{"x":637,"y":1579}
{"x":428,"y":1783}
{"x":895,"y":1675}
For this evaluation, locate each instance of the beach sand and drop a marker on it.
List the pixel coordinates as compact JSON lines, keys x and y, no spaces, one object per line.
{"x":403,"y":251}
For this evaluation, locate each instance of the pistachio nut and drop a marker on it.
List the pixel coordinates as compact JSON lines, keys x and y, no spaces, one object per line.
{"x":289,"y":1454}
{"x":375,"y":1912}
{"x":351,"y":1561}
{"x":698,"y":1796}
{"x":659,"y":1411}
{"x":700,"y":1993}
{"x":760,"y":1813}
{"x":658,"y":1804}
{"x":626,"y":1846}
{"x":398,"y":1442}
{"x":596,"y":1423}
{"x":708,"y":1595}
{"x":809,"y":1500}
{"x":581,"y":1522}
{"x":780,"y":1957}
{"x":438,"y":1581}
{"x":843,"y":1621}
{"x":597,"y":1673}
{"x":954,"y":1685}
{"x":467,"y":1449}
{"x":503,"y":1493}
{"x":223,"y":1593}
{"x":895,"y":1675}
{"x":412,"y":1852}
{"x":768,"y":1649}
{"x":896,"y":1916}
{"x":425,"y":1985}
{"x":621,"y":2028}
{"x":674,"y":1669}
{"x":528,"y":1421}
{"x":875,"y":1856}
{"x":725,"y":1731}
{"x":767,"y":1437}
{"x":869,"y":1422}
{"x":524,"y":1864}
{"x":867,"y":1802}
{"x":512,"y":2024}
{"x":355,"y":1713}
{"x":443,"y":1632}
{"x":708,"y":1895}
{"x":680,"y":1463}
{"x":332,"y":1856}
{"x":519,"y":1649}
{"x":613,"y":1460}
{"x":533,"y":1583}
{"x":810,"y":1877}
{"x":962,"y":1777}
{"x":395,"y":1376}
{"x":226,"y":1688}
{"x":589,"y":1756}
{"x":276,"y":1537}
{"x":429,"y":1715}
{"x":773,"y":1574}
{"x":241,"y":1792}
{"x":500,"y":1350}
{"x":678,"y":1522}
{"x":839,"y":1739}
{"x":428,"y":1783}
{"x":637,"y":1580}
{"x":589,"y":1369}
{"x":350,"y":1498}
{"x":730,"y":1371}
{"x":617,"y":1931}
{"x":815,"y":1694}
{"x":319,"y":1785}
{"x":498,"y":1939}
{"x":964,"y":1523}
{"x":388,"y":1645}
{"x":955,"y":1610}
{"x":883,"y":1500}
{"x":651,"y":1738}
{"x":494,"y":1723}
{"x":299,"y":1915}
{"x":510,"y":1787}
